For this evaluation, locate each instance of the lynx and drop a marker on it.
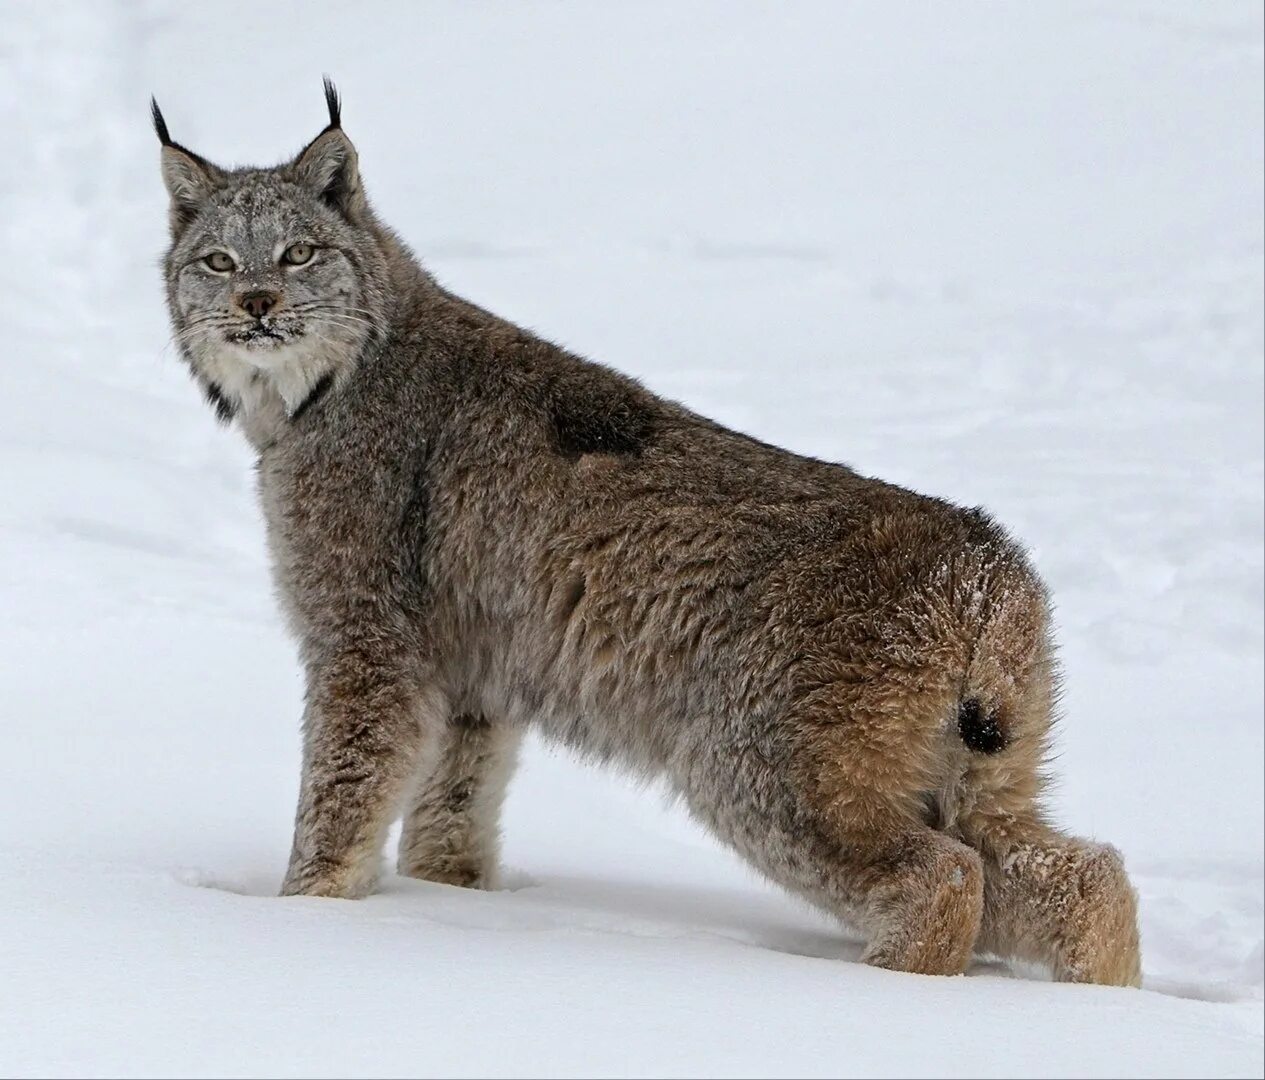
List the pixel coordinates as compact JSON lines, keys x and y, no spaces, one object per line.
{"x":475,"y":532}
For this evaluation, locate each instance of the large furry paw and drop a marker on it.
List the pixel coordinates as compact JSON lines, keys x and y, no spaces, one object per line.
{"x":1101,"y":942}
{"x":324,"y":877}
{"x":932,"y":927}
{"x":464,"y":873}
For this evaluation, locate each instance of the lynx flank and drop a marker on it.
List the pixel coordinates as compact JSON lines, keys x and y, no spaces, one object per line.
{"x":474,"y":531}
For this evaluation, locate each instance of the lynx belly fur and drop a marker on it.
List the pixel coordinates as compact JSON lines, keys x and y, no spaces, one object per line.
{"x":474,"y":531}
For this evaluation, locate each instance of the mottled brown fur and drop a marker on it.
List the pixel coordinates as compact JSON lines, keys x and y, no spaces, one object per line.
{"x":474,"y":531}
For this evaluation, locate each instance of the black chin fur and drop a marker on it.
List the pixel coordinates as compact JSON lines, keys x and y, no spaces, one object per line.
{"x":224,"y":410}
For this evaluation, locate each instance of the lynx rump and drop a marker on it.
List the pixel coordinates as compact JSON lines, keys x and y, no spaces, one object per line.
{"x":474,"y":531}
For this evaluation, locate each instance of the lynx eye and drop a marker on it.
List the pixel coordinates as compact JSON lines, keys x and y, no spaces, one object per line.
{"x":298,"y":254}
{"x":220,"y":261}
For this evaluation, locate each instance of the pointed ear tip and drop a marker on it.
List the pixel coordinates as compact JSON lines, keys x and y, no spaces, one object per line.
{"x":160,"y":125}
{"x":333,"y":102}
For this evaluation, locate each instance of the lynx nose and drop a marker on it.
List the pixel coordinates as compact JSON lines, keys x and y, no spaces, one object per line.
{"x":258,"y":304}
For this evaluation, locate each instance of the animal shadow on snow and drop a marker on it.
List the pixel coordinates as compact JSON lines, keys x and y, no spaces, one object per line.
{"x":591,"y":904}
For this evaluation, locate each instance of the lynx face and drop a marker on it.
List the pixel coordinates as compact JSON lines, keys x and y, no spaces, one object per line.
{"x":262,"y":270}
{"x":274,"y":279}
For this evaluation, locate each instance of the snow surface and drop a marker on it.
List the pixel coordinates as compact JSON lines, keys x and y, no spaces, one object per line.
{"x":1010,"y":254}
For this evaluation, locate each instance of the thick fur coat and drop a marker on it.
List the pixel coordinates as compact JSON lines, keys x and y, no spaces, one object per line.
{"x":474,"y":531}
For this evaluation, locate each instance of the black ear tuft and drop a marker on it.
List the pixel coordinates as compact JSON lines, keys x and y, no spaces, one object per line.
{"x":333,"y":102}
{"x":328,"y":163}
{"x":160,"y":125}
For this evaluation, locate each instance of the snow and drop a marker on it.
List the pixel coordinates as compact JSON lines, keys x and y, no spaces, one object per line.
{"x":1011,"y":255}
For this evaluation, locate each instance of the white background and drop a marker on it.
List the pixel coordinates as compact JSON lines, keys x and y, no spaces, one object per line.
{"x":1010,"y":254}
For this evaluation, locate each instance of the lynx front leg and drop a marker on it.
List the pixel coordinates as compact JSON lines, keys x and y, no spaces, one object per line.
{"x":452,"y":823}
{"x":365,"y":727}
{"x":1061,"y":901}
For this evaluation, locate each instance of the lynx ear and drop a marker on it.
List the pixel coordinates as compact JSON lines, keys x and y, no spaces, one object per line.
{"x":190,"y":179}
{"x":328,"y":164}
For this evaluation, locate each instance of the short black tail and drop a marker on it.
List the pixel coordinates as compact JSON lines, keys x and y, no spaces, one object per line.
{"x":979,"y":728}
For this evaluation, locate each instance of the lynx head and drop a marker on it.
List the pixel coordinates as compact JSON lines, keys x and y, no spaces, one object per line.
{"x":276,"y":278}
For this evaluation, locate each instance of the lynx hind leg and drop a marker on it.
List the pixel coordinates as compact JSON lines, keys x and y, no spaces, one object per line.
{"x":1059,"y":901}
{"x":921,"y":903}
{"x":837,"y":822}
{"x":1049,"y":898}
{"x":916,"y":894}
{"x":451,"y":831}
